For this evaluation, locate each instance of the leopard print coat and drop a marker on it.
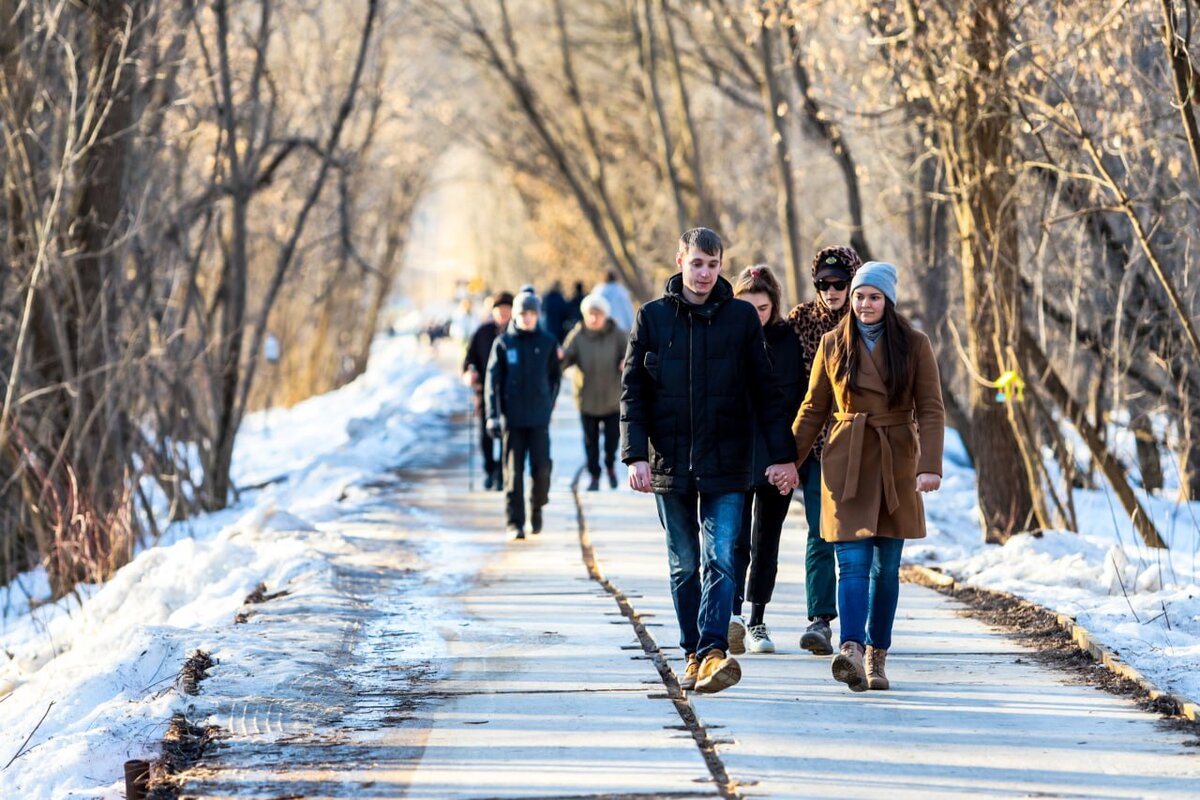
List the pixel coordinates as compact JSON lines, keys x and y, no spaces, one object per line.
{"x":811,"y":321}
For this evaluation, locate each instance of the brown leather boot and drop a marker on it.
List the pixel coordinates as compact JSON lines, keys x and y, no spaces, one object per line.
{"x":876,"y":677}
{"x":848,"y":667}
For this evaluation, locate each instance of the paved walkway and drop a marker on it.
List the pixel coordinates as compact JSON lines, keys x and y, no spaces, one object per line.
{"x":554,"y":689}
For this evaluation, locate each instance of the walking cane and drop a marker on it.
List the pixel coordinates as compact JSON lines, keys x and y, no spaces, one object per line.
{"x":472,"y":425}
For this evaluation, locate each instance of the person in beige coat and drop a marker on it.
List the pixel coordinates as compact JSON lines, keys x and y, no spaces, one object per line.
{"x":596,"y":348}
{"x":878,"y":378}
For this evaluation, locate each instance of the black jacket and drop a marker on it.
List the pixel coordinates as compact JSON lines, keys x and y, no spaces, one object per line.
{"x":479,"y":350}
{"x":695,"y":380}
{"x":791,"y":376}
{"x":523,"y":375}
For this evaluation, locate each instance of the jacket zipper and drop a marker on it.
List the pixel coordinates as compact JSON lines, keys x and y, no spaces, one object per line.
{"x":691,"y":399}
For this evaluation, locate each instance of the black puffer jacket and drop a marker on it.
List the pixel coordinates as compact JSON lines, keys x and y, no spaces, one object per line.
{"x":522,"y":378}
{"x":695,"y":379}
{"x":791,"y":376}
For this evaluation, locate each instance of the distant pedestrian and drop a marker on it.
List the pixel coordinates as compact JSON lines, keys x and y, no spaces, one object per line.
{"x":574,"y":314}
{"x":696,"y":375}
{"x":832,"y":270}
{"x":554,"y":312}
{"x":620,"y":306}
{"x":523,"y":376}
{"x":878,"y":378}
{"x":596,"y":348}
{"x":474,"y":368}
{"x":765,"y":509}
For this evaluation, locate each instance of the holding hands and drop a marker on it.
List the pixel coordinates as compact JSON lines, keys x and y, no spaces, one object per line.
{"x":783,"y":477}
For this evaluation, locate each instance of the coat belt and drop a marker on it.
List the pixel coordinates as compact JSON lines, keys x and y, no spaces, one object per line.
{"x":859,"y":423}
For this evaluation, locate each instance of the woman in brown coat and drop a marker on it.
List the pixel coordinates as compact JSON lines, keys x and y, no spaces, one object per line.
{"x":878,"y":378}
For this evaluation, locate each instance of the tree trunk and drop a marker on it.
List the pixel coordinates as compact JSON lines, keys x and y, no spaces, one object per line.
{"x":706,"y":206}
{"x":831,"y":134}
{"x":785,"y":205}
{"x":983,"y":182}
{"x":642,"y":19}
{"x":1105,"y":460}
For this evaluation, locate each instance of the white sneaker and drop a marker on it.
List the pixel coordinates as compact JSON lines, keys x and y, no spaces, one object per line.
{"x":737,"y":635}
{"x":758,"y":639}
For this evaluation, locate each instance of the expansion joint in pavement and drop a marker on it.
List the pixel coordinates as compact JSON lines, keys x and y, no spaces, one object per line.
{"x":726,"y":787}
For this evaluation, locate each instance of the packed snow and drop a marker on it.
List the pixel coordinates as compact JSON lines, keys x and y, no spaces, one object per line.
{"x":100,"y":665}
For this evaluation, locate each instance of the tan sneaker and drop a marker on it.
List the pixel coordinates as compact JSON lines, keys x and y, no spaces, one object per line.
{"x":848,"y":667}
{"x":736,"y":634}
{"x":717,"y":672}
{"x":876,"y":677}
{"x":688,"y":681}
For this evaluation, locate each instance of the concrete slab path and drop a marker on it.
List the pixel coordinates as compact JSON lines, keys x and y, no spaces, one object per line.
{"x":548,"y":689}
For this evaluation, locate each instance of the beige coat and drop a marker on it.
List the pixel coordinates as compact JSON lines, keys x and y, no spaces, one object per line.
{"x":874,"y":452}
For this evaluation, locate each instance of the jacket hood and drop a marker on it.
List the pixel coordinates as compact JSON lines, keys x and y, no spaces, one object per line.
{"x":721,"y":294}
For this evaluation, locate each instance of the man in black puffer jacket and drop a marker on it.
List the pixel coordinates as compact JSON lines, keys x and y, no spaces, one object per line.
{"x":523,"y":376}
{"x":697,"y":378}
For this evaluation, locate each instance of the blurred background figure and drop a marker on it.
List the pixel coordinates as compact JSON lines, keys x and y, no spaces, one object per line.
{"x":474,"y":368}
{"x":620,"y":306}
{"x":555,"y":311}
{"x":596,"y":348}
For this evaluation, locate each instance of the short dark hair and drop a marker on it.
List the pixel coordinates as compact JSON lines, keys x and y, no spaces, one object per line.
{"x":705,"y":240}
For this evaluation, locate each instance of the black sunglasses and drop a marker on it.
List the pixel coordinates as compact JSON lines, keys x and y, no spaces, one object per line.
{"x":824,"y":286}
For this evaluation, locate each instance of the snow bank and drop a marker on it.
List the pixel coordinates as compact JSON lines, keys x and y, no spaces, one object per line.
{"x":100,"y":665}
{"x":1142,"y":602}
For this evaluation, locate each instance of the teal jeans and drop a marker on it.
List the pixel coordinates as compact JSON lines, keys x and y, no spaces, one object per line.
{"x":820,"y":561}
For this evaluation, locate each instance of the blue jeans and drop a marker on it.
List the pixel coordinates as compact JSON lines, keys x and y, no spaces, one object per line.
{"x":868,"y":589}
{"x":701,"y":530}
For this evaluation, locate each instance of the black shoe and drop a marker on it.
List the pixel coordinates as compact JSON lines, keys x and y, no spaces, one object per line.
{"x":594,"y":486}
{"x":514,"y":532}
{"x":498,"y":481}
{"x":612,"y":477}
{"x":535,"y":521}
{"x":818,"y":638}
{"x":489,"y":481}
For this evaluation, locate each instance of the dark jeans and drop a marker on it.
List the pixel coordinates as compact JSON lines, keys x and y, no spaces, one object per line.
{"x":487,"y":444}
{"x":870,"y":589}
{"x":820,"y":564}
{"x":757,"y":547}
{"x":519,"y":444}
{"x":701,"y":529}
{"x":592,"y":426}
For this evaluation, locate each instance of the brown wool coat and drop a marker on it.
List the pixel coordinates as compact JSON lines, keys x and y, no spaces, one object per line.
{"x":874,"y":452}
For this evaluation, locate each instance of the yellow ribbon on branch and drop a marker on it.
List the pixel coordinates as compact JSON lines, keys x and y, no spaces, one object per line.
{"x":1009,"y":384}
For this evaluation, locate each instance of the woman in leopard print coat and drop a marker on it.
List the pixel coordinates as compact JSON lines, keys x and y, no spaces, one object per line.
{"x":832,"y":270}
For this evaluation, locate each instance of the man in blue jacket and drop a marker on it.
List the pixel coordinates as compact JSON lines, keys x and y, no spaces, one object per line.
{"x":523,"y":376}
{"x":697,"y":377}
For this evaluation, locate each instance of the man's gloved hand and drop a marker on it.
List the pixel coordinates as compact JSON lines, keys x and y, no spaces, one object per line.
{"x":493,"y":428}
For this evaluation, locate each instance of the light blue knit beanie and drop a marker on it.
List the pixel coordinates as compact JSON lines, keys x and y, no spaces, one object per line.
{"x":879,"y":274}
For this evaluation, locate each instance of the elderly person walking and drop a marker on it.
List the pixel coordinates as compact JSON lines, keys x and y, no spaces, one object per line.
{"x":596,"y":348}
{"x":878,"y":378}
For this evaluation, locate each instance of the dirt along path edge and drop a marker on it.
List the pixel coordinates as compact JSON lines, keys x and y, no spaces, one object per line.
{"x":1061,"y":642}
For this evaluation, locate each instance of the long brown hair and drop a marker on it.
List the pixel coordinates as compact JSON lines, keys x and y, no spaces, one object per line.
{"x":760,"y":280}
{"x":897,"y":343}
